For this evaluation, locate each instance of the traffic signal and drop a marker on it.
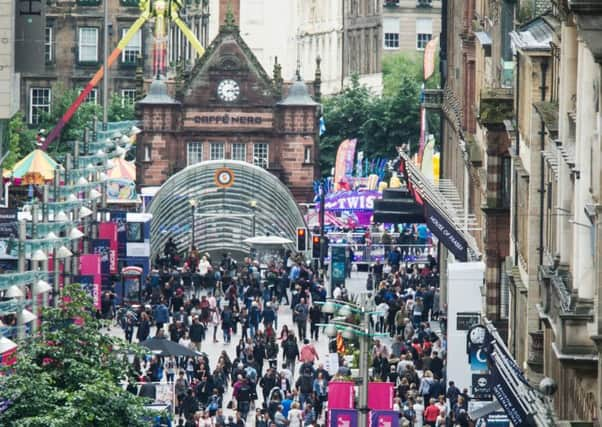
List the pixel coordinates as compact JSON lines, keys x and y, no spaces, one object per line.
{"x":315,"y":246}
{"x":301,"y":239}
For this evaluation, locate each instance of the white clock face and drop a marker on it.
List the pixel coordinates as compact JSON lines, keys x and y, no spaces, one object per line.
{"x":228,"y":90}
{"x":477,"y":335}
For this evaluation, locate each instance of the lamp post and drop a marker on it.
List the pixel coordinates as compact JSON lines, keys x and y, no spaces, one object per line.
{"x":365,"y":334}
{"x":253,"y":205}
{"x":193,"y":205}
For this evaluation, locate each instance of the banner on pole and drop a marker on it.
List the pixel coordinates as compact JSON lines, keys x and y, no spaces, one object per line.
{"x":343,"y":417}
{"x":340,"y":395}
{"x":108,"y":231}
{"x":344,"y":162}
{"x":380,"y":396}
{"x":384,"y":419}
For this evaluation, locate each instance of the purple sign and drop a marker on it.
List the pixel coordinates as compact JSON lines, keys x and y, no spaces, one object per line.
{"x":351,"y":200}
{"x":102,"y":247}
{"x":119,"y":217}
{"x":343,"y":418}
{"x":384,"y":419}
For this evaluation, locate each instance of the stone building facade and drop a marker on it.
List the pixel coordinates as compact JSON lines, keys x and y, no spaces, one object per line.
{"x":522,"y":142}
{"x":229,"y":108}
{"x":408,"y":25}
{"x":557,"y":175}
{"x":476,"y":99}
{"x":345,"y":34}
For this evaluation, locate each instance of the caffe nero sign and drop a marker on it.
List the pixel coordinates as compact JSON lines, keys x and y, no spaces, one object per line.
{"x":446,"y":233}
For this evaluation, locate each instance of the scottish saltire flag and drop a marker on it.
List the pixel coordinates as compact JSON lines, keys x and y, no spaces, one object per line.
{"x":322,"y":126}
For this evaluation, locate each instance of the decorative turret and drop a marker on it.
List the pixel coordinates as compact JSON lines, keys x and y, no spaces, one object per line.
{"x":318,"y":80}
{"x":277,"y":78}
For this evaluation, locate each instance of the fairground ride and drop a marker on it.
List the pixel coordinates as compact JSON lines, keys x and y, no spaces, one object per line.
{"x":159,"y":11}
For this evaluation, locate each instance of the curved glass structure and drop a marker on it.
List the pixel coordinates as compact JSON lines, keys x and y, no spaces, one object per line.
{"x":256,"y":204}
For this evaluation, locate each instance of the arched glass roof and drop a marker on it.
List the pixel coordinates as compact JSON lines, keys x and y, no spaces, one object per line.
{"x":224,"y":217}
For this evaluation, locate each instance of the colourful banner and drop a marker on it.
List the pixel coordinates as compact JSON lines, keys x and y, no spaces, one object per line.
{"x":119,"y":218}
{"x":89,"y":265}
{"x":380,"y":395}
{"x":121,"y":191}
{"x":344,"y":163}
{"x":429,"y":57}
{"x":384,"y":419}
{"x":351,"y":200}
{"x":102,"y":247}
{"x":108,"y":230}
{"x":340,"y":395}
{"x":342,"y":417}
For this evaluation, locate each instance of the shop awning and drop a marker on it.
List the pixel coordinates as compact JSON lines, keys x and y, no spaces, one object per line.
{"x":443,"y":211}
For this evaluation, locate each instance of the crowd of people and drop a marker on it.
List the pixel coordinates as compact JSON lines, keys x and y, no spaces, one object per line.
{"x":274,"y":375}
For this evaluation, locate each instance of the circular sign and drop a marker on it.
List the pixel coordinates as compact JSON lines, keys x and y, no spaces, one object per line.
{"x":224,"y":178}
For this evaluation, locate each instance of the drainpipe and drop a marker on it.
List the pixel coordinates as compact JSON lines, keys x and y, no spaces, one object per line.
{"x":517,"y":137}
{"x":343,"y":36}
{"x":542,"y":139}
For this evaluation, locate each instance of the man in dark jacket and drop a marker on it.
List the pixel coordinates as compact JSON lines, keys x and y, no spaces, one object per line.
{"x":196,"y":333}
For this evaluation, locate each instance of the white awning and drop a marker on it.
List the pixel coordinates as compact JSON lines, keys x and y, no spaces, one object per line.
{"x":391,"y":25}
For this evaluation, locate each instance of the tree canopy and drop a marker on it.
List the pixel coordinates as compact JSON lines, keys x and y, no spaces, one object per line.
{"x":380,"y":123}
{"x":69,"y":375}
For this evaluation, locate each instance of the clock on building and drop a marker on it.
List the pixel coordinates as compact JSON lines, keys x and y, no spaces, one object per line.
{"x":228,"y":90}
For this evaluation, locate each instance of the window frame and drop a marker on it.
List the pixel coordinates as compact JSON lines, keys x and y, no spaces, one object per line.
{"x":138,"y":51}
{"x":79,"y":45}
{"x":124,"y":97}
{"x":242,"y":145}
{"x":307,"y":155}
{"x":390,"y":44}
{"x":49,"y":44}
{"x":213,"y":145}
{"x":418,"y":41}
{"x":262,"y":145}
{"x":198,"y":152}
{"x":37,"y":105}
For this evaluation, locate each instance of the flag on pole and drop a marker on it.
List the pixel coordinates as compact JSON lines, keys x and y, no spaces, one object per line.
{"x":322,"y":126}
{"x":429,"y":57}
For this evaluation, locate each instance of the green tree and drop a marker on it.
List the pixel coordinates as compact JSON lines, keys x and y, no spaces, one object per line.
{"x":69,"y":375}
{"x":62,"y":99}
{"x":21,"y":140}
{"x":380,"y":123}
{"x":120,"y":109}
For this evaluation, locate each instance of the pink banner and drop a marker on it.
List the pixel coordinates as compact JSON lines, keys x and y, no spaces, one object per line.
{"x":89,"y":265}
{"x":108,"y":231}
{"x":344,"y":163}
{"x":380,"y":396}
{"x":340,"y":395}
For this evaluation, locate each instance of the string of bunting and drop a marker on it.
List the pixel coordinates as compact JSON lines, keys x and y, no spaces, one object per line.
{"x":19,"y":279}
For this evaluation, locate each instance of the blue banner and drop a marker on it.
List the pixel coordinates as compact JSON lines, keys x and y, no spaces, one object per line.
{"x":119,"y":217}
{"x":343,"y":418}
{"x":102,"y":247}
{"x":384,"y":419}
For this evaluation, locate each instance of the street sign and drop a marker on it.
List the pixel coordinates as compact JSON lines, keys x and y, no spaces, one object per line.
{"x":478,"y":360}
{"x":481,"y":386}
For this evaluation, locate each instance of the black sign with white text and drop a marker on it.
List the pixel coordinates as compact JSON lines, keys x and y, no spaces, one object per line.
{"x":446,"y":233}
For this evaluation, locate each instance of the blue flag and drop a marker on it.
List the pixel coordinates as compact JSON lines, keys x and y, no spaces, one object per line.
{"x":322,"y":126}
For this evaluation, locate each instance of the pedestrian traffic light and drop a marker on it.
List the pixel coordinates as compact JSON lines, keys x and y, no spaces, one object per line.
{"x":301,"y":239}
{"x":315,"y":246}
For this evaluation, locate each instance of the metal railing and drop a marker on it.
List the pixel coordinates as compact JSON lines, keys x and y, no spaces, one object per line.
{"x":369,"y":254}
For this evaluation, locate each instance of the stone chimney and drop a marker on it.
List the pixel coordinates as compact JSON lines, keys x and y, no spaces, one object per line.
{"x":225,"y":6}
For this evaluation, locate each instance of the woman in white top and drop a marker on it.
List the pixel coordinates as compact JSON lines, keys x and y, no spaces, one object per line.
{"x":204,"y":266}
{"x":295,"y":416}
{"x":419,"y":411}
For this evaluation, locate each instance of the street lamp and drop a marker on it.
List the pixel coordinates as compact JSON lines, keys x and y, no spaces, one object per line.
{"x":348,"y":330}
{"x":253,"y":206}
{"x":193,"y":205}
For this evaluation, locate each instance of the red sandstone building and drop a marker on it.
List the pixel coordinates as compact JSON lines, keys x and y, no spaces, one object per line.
{"x":229,"y":108}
